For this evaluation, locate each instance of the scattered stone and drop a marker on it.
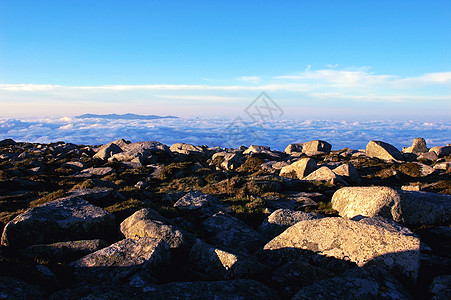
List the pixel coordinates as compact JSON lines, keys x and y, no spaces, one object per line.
{"x":418,"y":147}
{"x":76,"y":165}
{"x":281,"y":219}
{"x":65,"y":219}
{"x":408,"y":207}
{"x":229,"y":232}
{"x":222,"y":265}
{"x":299,"y":169}
{"x":258,"y":149}
{"x":356,"y":241}
{"x":384,"y":151}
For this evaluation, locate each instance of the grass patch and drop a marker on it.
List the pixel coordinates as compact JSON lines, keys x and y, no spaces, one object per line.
{"x":47,"y":198}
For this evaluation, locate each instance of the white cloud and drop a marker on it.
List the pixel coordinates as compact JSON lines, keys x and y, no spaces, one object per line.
{"x":277,"y":133}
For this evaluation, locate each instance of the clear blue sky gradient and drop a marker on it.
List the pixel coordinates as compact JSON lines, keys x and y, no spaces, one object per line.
{"x":97,"y":43}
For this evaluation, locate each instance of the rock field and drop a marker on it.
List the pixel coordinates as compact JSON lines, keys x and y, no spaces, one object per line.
{"x":148,"y":221}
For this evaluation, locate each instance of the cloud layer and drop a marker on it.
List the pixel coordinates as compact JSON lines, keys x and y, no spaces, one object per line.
{"x":225,"y":132}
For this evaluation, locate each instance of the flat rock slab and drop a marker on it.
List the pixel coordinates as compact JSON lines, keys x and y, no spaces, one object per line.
{"x":231,"y":233}
{"x":409,"y":207}
{"x":65,"y":219}
{"x":355,"y":241}
{"x":200,"y":204}
{"x":123,"y":259}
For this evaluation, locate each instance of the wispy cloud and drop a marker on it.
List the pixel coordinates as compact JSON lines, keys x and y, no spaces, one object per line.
{"x":310,"y":87}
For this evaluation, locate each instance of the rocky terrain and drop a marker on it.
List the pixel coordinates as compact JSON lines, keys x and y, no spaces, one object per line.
{"x":143,"y":220}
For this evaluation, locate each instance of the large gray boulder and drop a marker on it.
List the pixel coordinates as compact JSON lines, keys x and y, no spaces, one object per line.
{"x":221,"y":265}
{"x":418,"y":147}
{"x":107,"y":151}
{"x":122,"y":259}
{"x":357,"y":283}
{"x":281,"y":219}
{"x":312,"y":147}
{"x":230,"y":233}
{"x":148,"y":223}
{"x":358,"y":242}
{"x":324,"y":174}
{"x":299,"y":169}
{"x":65,"y":219}
{"x":140,"y":150}
{"x":228,"y":161}
{"x":186,"y":148}
{"x":384,"y":151}
{"x":408,"y":207}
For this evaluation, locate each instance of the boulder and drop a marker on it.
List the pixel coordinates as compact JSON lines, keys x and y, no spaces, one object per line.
{"x":200,"y":204}
{"x":65,"y":219}
{"x":223,"y":265}
{"x":349,"y":173}
{"x":445,"y":166}
{"x":418,"y":147}
{"x":384,"y":151}
{"x":230,"y":233}
{"x":257,"y":149}
{"x":358,"y":283}
{"x":122,"y":259}
{"x":63,"y":251}
{"x":408,"y":207}
{"x":186,"y":148}
{"x":231,"y":161}
{"x":142,"y":150}
{"x":281,"y":219}
{"x":441,"y":151}
{"x":355,"y":241}
{"x":428,"y":156}
{"x":149,"y":223}
{"x":309,"y":147}
{"x":325,"y":174}
{"x":107,"y":151}
{"x":299,"y":169}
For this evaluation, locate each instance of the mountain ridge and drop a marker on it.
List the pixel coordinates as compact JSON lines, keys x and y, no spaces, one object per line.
{"x":128,"y":116}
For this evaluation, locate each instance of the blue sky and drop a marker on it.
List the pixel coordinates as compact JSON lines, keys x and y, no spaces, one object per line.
{"x":328,"y":59}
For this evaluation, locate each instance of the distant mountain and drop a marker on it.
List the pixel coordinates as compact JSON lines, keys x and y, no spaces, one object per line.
{"x":124,"y":117}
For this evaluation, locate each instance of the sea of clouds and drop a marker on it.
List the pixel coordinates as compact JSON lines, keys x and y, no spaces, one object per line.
{"x":225,"y":132}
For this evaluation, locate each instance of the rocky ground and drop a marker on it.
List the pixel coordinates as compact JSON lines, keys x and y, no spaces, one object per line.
{"x":144,"y":220}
